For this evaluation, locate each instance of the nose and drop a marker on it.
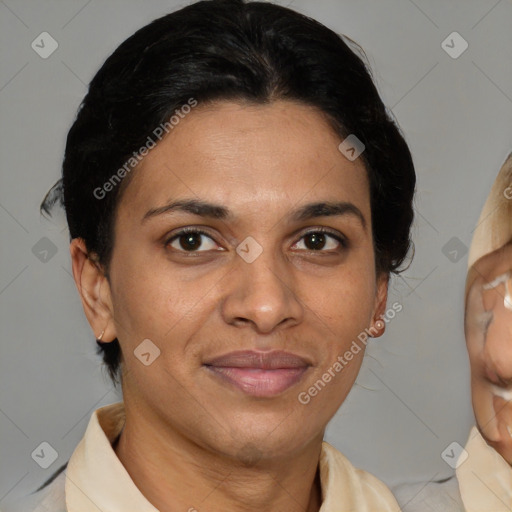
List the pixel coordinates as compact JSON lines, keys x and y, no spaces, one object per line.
{"x":261,"y":294}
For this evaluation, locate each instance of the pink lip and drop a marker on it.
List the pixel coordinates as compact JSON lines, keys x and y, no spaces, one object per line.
{"x":261,"y":374}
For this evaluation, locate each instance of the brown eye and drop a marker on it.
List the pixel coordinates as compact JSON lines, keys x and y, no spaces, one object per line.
{"x":190,"y":240}
{"x":322,"y":241}
{"x":315,"y":241}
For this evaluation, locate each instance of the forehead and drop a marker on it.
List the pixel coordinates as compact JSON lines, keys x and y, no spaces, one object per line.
{"x":244,"y":155}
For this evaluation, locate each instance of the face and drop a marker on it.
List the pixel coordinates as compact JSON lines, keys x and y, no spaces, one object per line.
{"x":257,"y":300}
{"x":489,"y":340}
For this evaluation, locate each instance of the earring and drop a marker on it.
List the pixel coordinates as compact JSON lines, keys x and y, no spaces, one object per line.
{"x":101,"y":335}
{"x":379,"y":324}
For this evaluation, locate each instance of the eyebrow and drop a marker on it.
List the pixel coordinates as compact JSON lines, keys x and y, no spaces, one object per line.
{"x":215,"y":211}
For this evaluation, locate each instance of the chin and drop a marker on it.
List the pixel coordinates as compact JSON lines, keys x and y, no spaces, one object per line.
{"x":263,"y":443}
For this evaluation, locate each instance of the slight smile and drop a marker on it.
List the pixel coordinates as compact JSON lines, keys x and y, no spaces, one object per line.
{"x":260,"y":374}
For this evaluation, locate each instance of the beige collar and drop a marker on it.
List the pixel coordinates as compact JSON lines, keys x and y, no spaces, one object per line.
{"x":485,"y":478}
{"x":96,"y":480}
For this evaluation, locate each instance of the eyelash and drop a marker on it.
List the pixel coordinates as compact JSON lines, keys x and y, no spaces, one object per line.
{"x":190,"y":230}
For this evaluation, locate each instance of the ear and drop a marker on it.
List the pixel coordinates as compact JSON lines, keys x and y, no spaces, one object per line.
{"x":94,"y":290}
{"x":381,"y":298}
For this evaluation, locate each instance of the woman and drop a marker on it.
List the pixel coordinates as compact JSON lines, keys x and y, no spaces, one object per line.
{"x":483,"y":480}
{"x":237,"y":197}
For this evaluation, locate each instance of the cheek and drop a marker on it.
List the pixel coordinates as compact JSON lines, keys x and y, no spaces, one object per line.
{"x":343,"y":310}
{"x":149,"y":302}
{"x":349,"y":298}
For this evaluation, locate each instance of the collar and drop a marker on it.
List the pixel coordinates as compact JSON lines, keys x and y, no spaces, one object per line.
{"x":485,"y":477}
{"x":96,"y":480}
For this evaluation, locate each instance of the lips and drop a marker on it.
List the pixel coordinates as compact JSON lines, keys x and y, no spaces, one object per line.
{"x":260,"y":374}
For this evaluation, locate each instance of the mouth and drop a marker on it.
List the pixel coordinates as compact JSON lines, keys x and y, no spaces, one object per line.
{"x":259,"y":374}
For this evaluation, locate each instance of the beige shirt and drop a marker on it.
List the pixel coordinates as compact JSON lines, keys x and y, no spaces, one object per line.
{"x":483,"y":483}
{"x":96,"y":481}
{"x":485,"y":477}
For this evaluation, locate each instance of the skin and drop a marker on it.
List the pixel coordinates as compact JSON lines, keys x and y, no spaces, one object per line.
{"x":488,"y":327}
{"x":190,"y":439}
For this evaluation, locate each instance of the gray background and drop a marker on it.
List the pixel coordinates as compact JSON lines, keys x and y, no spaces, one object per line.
{"x":412,"y":397}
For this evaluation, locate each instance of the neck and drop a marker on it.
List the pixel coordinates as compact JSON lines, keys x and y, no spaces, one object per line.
{"x":176,"y":474}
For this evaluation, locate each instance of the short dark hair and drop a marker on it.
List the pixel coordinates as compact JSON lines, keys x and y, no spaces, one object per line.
{"x":212,"y":50}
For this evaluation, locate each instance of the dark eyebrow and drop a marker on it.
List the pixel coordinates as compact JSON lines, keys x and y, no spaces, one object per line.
{"x":327,"y":209}
{"x":215,"y":211}
{"x":195,"y":206}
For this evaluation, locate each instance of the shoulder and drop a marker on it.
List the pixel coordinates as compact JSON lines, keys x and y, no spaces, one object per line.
{"x":441,"y":496}
{"x":50,"y":498}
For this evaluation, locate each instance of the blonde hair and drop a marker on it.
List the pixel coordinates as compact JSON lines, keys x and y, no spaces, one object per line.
{"x":494,"y":227}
